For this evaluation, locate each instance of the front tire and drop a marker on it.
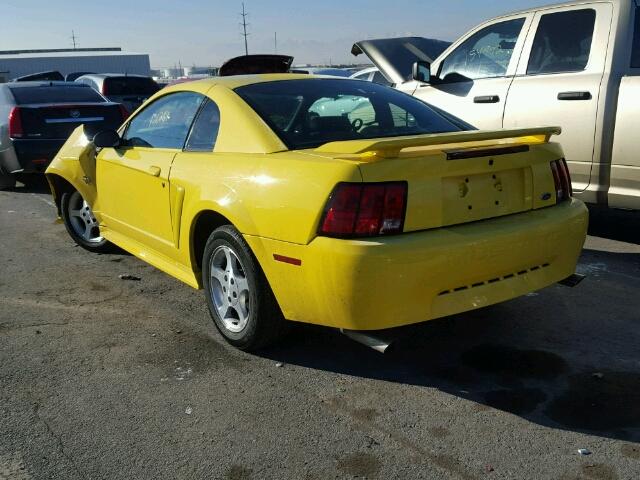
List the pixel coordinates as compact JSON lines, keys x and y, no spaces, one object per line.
{"x":81,"y":224}
{"x":240,"y":301}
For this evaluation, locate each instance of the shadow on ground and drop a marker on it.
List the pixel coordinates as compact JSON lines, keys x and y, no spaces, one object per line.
{"x":621,"y":225}
{"x":553,"y":365}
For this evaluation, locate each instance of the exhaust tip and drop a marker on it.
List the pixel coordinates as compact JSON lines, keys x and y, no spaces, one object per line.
{"x":367,"y":339}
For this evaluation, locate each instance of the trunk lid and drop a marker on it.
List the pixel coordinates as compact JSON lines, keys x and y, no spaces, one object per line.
{"x":460,"y":177}
{"x":395,"y":57}
{"x":49,"y":121}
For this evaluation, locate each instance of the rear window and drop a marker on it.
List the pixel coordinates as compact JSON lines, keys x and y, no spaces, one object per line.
{"x":309,"y":113}
{"x":129,"y":86}
{"x":635,"y":52}
{"x":55,"y":94}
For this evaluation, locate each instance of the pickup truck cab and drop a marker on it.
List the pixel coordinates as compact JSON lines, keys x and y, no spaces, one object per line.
{"x":575,"y":64}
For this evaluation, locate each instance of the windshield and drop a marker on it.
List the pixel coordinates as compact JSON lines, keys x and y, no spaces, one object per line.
{"x":129,"y":86}
{"x":55,"y":94}
{"x":309,"y":113}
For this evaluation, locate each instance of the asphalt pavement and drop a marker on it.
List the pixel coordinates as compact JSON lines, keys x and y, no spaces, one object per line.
{"x":108,"y":378}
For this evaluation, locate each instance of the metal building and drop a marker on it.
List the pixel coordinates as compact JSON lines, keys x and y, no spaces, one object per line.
{"x":16,"y":63}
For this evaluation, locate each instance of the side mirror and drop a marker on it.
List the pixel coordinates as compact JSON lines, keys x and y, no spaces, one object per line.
{"x":106,"y":139}
{"x":421,"y":71}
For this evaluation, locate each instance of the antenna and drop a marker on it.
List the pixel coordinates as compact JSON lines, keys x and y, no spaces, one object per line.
{"x":73,"y":39}
{"x":244,"y":29}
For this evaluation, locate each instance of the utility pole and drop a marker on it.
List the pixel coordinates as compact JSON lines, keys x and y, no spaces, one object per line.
{"x":73,"y":39}
{"x":244,"y":29}
{"x":275,"y":41}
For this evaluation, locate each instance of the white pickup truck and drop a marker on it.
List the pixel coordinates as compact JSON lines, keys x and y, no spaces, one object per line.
{"x":576,"y":65}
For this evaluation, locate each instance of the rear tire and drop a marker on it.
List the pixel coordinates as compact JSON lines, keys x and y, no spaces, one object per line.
{"x":240,"y":300}
{"x":81,"y":224}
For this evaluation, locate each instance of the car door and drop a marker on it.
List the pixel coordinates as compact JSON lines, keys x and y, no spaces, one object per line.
{"x":472,"y":80}
{"x":133,"y":179}
{"x":558,"y":80}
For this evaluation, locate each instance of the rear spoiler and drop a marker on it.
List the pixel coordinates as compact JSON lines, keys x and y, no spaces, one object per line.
{"x":391,"y":147}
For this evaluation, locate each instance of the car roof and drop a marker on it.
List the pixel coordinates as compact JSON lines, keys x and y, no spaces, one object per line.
{"x":563,"y":4}
{"x":111,"y":75}
{"x":46,"y":83}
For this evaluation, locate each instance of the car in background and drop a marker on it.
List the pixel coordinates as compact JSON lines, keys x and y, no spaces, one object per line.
{"x":371,"y":74}
{"x":128,"y":90}
{"x":322,"y":200}
{"x":36,"y":118}
{"x":333,"y":72}
{"x":71,"y":77}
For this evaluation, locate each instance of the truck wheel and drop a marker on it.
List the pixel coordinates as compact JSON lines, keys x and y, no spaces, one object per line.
{"x":240,"y":300}
{"x":81,"y":224}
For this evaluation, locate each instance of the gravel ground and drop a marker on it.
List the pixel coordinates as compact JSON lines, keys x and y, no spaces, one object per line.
{"x":106,"y":378}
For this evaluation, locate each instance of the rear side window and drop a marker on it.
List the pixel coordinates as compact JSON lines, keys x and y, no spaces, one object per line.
{"x":129,"y":86}
{"x":55,"y":94}
{"x":205,"y":129}
{"x":635,"y":52}
{"x":562,"y":42}
{"x":165,"y":123}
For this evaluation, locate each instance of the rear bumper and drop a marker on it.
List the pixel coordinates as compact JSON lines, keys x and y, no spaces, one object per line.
{"x":410,"y":278}
{"x":32,"y":155}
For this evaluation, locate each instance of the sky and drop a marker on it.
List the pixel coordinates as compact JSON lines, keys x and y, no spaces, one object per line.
{"x":208,"y":32}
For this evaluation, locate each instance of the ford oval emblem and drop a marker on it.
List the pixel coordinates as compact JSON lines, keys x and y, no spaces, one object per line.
{"x":74,"y":113}
{"x":545,"y":196}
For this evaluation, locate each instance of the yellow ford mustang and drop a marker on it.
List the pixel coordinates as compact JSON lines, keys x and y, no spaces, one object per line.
{"x":329,"y":201}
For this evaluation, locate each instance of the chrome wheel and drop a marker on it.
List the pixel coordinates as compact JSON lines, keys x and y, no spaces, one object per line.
{"x":229,"y":289}
{"x":81,"y":218}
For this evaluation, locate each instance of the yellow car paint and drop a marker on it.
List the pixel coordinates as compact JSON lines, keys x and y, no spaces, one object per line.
{"x":148,"y":202}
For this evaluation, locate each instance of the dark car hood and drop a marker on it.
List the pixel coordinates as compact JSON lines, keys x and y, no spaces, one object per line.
{"x":395,"y":57}
{"x":252,"y":64}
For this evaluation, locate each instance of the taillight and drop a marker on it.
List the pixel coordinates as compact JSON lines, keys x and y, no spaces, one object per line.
{"x":15,"y":123}
{"x":561,"y":179}
{"x":124,"y":112}
{"x":104,"y":90}
{"x":365,"y":210}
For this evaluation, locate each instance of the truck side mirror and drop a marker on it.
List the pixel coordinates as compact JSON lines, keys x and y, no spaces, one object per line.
{"x":421,"y":71}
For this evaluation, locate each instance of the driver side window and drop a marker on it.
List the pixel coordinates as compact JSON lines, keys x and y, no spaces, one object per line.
{"x":485,"y":54}
{"x":165,"y":123}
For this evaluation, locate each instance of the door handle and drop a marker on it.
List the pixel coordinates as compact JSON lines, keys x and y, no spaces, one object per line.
{"x":153,"y":170}
{"x":486,"y":99}
{"x":574,"y":96}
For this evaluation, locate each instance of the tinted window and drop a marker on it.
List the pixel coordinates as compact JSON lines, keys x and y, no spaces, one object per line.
{"x":165,"y":123}
{"x":562,"y":42}
{"x":308,"y":113}
{"x":205,"y":129}
{"x":485,"y":54}
{"x":129,"y":86}
{"x":55,"y":94}
{"x":635,"y":53}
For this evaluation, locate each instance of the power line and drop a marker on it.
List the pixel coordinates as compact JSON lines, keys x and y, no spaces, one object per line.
{"x":244,"y":29}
